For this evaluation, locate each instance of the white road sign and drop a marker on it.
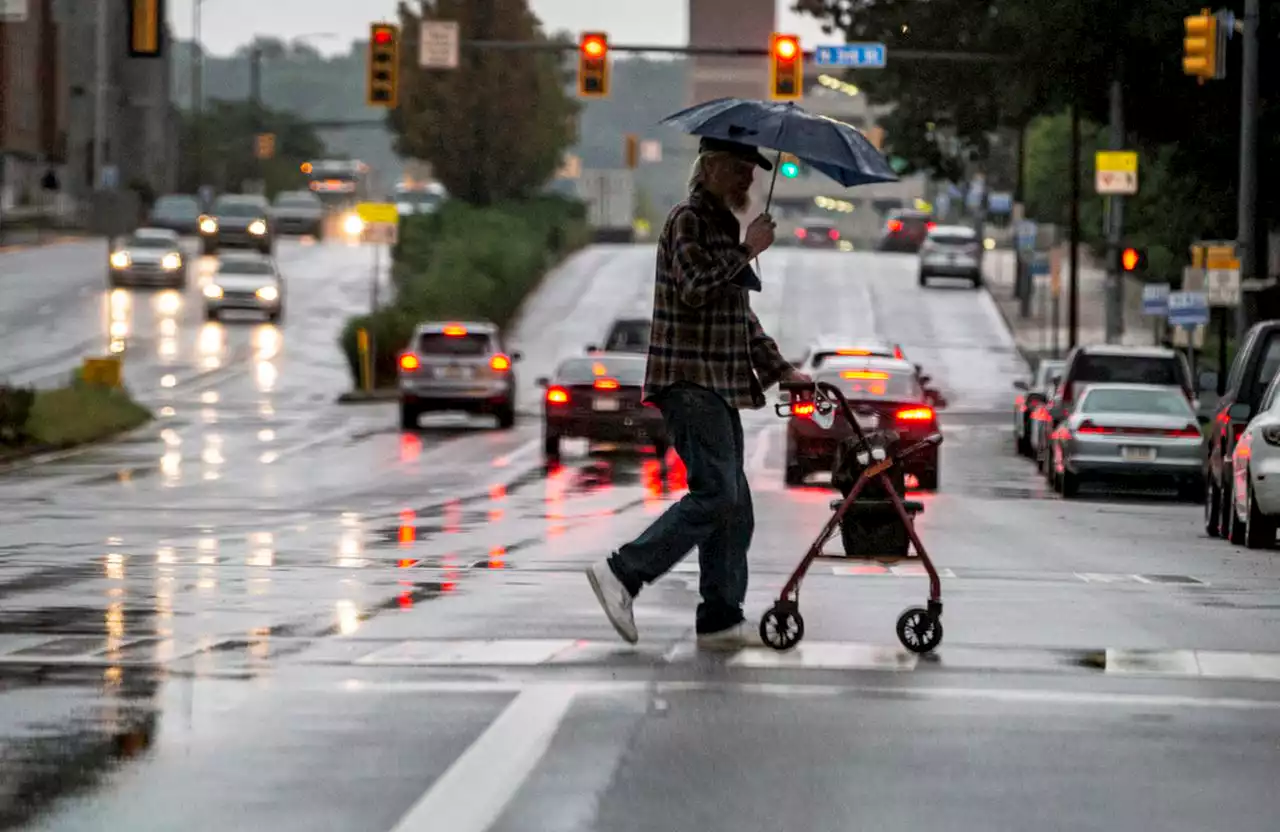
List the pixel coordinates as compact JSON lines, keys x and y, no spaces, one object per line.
{"x":651,"y":150}
{"x":1116,"y":172}
{"x":13,"y":11}
{"x":438,"y":48}
{"x":1222,"y":286}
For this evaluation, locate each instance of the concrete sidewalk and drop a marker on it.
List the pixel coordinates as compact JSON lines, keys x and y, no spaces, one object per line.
{"x":1034,"y":334}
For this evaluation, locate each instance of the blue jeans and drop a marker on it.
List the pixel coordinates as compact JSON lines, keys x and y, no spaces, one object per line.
{"x":715,"y":515}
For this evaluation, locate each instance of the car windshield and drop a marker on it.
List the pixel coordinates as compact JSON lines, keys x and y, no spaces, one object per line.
{"x":952,"y":238}
{"x":176,"y":206}
{"x":297,"y":201}
{"x":875,"y":384}
{"x":1156,"y":402}
{"x":822,"y":356}
{"x":628,"y":372}
{"x":237,"y":209}
{"x":146,"y":241}
{"x":245,"y":267}
{"x":1128,"y":369}
{"x":628,"y":335}
{"x":470,"y":344}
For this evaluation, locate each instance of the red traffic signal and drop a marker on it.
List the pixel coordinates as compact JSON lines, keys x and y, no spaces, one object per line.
{"x":594,"y":46}
{"x":593,"y":65}
{"x":1133,"y":259}
{"x":786,"y":67}
{"x":383,"y":35}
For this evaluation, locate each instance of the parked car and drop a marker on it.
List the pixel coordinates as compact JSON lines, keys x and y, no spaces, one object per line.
{"x":1032,"y":395}
{"x":457,"y":366}
{"x":237,"y":221}
{"x":905,"y":231}
{"x":245,"y":282}
{"x":179,"y":213}
{"x":1118,"y":431}
{"x":951,"y":251}
{"x":1109,"y":364}
{"x":883,"y":393}
{"x":1252,"y":371}
{"x":1255,"y":472}
{"x":148,"y":256}
{"x":599,"y":399}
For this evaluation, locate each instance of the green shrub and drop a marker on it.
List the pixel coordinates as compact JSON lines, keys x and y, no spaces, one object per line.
{"x":69,"y":416}
{"x":390,"y":329}
{"x":15,"y":409}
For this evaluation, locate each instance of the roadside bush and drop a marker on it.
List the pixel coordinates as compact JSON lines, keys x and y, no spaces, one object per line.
{"x":466,"y":263}
{"x":15,"y":409}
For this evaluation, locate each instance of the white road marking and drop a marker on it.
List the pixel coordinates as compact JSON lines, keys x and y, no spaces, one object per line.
{"x":523,"y":652}
{"x":524,"y":450}
{"x":1201,"y":664}
{"x":476,"y":789}
{"x":820,"y":655}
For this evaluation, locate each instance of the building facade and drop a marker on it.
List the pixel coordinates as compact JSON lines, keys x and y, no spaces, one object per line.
{"x":32,"y":105}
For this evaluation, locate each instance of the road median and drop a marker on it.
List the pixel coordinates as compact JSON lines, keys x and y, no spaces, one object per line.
{"x":33,"y":422}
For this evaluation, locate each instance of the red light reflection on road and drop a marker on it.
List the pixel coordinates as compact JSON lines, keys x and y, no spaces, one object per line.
{"x":498,"y":557}
{"x":408,"y":527}
{"x":410,"y":447}
{"x":498,"y":492}
{"x":407,"y":563}
{"x":452,"y":517}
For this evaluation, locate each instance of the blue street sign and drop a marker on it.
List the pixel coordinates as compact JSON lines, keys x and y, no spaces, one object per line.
{"x":1040,"y":266}
{"x":1155,"y":299}
{"x":1000,"y":203}
{"x":1027,"y":232}
{"x":1188,"y":308}
{"x":863,"y":55}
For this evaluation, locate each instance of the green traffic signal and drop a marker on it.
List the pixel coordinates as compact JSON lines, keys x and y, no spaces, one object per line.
{"x":790,"y":170}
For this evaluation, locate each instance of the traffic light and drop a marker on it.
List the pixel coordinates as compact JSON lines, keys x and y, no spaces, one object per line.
{"x":593,"y":65}
{"x":146,"y":22}
{"x":1132,"y":260}
{"x":790,"y":167}
{"x":383,"y":89}
{"x":1204,"y":47}
{"x":786,"y":68}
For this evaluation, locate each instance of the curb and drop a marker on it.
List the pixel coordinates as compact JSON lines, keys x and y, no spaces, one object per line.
{"x":375,"y":397}
{"x":13,"y":248}
{"x":1022,"y":351}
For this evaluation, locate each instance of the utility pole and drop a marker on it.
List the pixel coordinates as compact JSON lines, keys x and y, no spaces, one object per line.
{"x":100,"y":97}
{"x":1247,"y":218}
{"x":1073,"y":279}
{"x":1115,"y":214}
{"x":255,"y":77}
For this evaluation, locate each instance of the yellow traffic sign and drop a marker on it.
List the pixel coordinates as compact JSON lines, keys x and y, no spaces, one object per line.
{"x":101,"y":372}
{"x":265,"y":146}
{"x":378,"y":212}
{"x":1116,"y":172}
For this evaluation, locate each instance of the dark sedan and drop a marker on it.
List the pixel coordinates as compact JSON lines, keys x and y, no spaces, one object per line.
{"x":179,"y":213}
{"x":598,"y":399}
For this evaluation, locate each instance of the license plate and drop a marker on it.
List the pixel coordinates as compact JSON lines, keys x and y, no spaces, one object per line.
{"x":868,"y":422}
{"x":1138,"y":454}
{"x":609,"y":405}
{"x":453,"y":372}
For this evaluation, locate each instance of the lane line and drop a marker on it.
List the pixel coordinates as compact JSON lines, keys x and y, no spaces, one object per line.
{"x":472,"y":794}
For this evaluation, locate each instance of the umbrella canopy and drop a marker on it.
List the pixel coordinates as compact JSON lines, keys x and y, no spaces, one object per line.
{"x":832,"y":147}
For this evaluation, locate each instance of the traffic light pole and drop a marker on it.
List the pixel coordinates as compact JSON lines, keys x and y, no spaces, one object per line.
{"x":1073,"y":279}
{"x":1247,"y":218}
{"x":729,"y":51}
{"x":1115,"y":228}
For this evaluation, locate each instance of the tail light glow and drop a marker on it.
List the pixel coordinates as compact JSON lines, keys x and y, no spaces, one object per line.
{"x":870,"y":375}
{"x":455,"y":331}
{"x":500,"y":362}
{"x":599,"y":369}
{"x":897,"y":353}
{"x":895,"y":226}
{"x":931,"y":225}
{"x":1087,"y":427}
{"x":801,"y":233}
{"x":606,"y":384}
{"x":853,"y":352}
{"x":833,"y":234}
{"x":557,"y":395}
{"x":915,"y":414}
{"x":409,"y":362}
{"x":1189,"y":432}
{"x":803,"y":409}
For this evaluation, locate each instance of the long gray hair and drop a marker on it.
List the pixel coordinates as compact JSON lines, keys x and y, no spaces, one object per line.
{"x":698,"y":173}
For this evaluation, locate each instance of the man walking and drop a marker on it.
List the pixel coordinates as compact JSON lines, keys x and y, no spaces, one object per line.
{"x":708,"y":357}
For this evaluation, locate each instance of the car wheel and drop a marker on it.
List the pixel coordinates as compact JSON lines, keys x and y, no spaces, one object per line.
{"x":506,"y":415}
{"x":794,"y":474}
{"x":1023,"y":442}
{"x":1070,"y":484}
{"x":1225,"y":512}
{"x":1235,"y":527}
{"x":1212,"y":510}
{"x":207,"y":248}
{"x":210,"y":314}
{"x":977,"y":282}
{"x":1259,"y":530}
{"x":551,"y":446}
{"x":409,"y":416}
{"x":276,"y":317}
{"x":927,"y":480}
{"x":923,"y":280}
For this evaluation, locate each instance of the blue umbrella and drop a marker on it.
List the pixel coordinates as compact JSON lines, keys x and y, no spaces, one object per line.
{"x":832,"y":147}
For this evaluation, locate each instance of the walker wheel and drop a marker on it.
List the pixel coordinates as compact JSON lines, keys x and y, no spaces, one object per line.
{"x":918,"y":630}
{"x":782,"y":627}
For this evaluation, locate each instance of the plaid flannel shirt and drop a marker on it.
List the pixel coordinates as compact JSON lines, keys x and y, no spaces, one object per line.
{"x":704,"y":331}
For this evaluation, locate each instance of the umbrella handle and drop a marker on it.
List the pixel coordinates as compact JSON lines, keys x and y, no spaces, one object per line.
{"x":769,"y":199}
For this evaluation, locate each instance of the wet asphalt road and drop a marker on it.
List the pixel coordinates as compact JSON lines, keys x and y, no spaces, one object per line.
{"x":269,"y":611}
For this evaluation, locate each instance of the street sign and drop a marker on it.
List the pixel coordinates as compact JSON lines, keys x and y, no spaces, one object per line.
{"x":1188,"y":336}
{"x":438,"y":46}
{"x":1000,"y":203}
{"x":265,"y":145}
{"x":1041,"y":266}
{"x":1116,"y":172}
{"x":13,"y":11}
{"x":378,"y":212}
{"x":1027,"y":232}
{"x":862,"y":55}
{"x":1222,"y":285}
{"x":1188,"y":309}
{"x":651,"y":150}
{"x":101,"y":372}
{"x":1155,"y":299}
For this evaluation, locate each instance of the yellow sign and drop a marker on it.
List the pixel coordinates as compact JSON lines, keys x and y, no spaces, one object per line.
{"x":1116,"y":172}
{"x":266,"y":145}
{"x":378,"y":212}
{"x":102,"y":372}
{"x":366,"y":359}
{"x":144,"y":28}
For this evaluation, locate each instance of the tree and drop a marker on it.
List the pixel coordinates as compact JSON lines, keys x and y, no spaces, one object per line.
{"x":219,"y":147}
{"x":496,"y":127}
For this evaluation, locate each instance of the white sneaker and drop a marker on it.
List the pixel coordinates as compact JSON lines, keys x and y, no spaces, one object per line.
{"x":737,"y":637}
{"x":615,"y":600}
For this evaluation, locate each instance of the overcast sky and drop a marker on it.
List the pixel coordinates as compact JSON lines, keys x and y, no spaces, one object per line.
{"x":227,"y":24}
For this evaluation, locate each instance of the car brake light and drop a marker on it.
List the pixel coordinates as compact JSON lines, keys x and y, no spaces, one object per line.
{"x":833,"y":234}
{"x":1089,"y":427}
{"x":1020,"y":403}
{"x":599,"y":369}
{"x":802,"y":408}
{"x":870,"y":375}
{"x":897,"y":353}
{"x":557,"y":395}
{"x":454,"y":331}
{"x":931,"y":225}
{"x":853,"y":352}
{"x":606,"y":384}
{"x":801,"y":233}
{"x":500,"y":363}
{"x":895,"y":226}
{"x":409,"y":361}
{"x":916,"y":414}
{"x":1189,"y":432}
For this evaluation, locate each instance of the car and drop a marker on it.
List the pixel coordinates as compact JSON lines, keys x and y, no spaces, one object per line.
{"x":827,"y":347}
{"x":905,"y":231}
{"x":883,"y":393}
{"x":245,"y":282}
{"x":1128,"y":430}
{"x":148,"y":256}
{"x":298,"y":212}
{"x":457,"y":366}
{"x":598,"y":398}
{"x":419,"y":199}
{"x":1252,"y":371}
{"x":629,"y":335}
{"x":1032,"y":395}
{"x":951,"y":251}
{"x":817,"y":234}
{"x":1254,"y":514}
{"x":237,"y":221}
{"x":1113,"y":364}
{"x":176,"y":212}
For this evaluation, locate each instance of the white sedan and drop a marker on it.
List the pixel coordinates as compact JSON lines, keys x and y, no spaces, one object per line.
{"x":1255,"y":466}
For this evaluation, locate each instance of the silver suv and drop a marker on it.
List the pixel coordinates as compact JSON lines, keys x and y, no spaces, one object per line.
{"x":457,"y":366}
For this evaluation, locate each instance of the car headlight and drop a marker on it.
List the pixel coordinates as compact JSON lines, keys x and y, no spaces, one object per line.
{"x":257,"y":228}
{"x":120,"y":260}
{"x":171,"y":262}
{"x":213,"y":290}
{"x":268,"y":293}
{"x":208,"y":225}
{"x":353,"y":224}
{"x":1271,"y":435}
